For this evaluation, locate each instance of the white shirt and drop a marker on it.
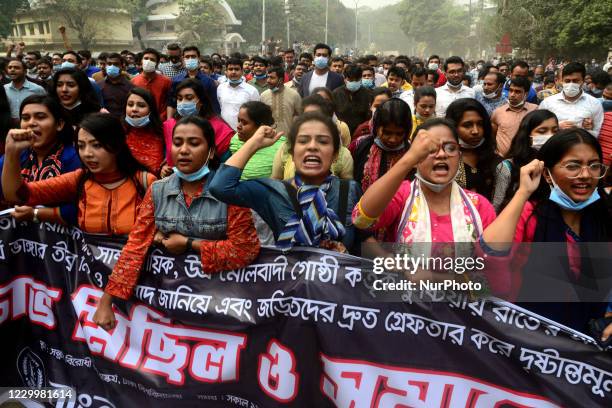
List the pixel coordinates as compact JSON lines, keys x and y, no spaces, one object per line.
{"x":408,"y":97}
{"x":379,"y":79}
{"x":231,"y":99}
{"x":582,"y":108}
{"x":317,"y":81}
{"x":445,"y":96}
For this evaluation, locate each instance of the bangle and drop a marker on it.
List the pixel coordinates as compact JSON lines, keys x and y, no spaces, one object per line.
{"x":363,"y":214}
{"x":189,"y":245}
{"x":35,"y":217}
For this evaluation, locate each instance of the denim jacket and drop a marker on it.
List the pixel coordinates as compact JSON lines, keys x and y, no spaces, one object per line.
{"x":270,"y":200}
{"x":205,"y":218}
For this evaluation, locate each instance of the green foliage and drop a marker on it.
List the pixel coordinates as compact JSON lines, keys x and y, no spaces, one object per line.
{"x":200,"y":22}
{"x":439,"y":24}
{"x":9,"y":9}
{"x":573,"y":28}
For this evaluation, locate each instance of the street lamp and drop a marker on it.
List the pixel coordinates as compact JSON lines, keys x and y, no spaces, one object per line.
{"x":287,"y":10}
{"x":263,"y":27}
{"x":356,"y":5}
{"x":326,"y":14}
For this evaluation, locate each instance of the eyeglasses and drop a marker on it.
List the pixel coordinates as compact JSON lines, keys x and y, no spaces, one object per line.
{"x":595,"y":170}
{"x":450,"y":148}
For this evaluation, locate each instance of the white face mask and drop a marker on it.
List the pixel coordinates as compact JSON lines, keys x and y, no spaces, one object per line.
{"x":432,"y":65}
{"x":571,"y":90}
{"x":148,"y":65}
{"x":491,"y":95}
{"x":539,"y":140}
{"x":469,"y":146}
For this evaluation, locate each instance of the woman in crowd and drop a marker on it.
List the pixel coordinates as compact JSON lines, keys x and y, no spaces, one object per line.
{"x":379,"y":96}
{"x":535,"y":129}
{"x":75,"y":93}
{"x":50,"y":154}
{"x":377,"y":153}
{"x":424,"y":106}
{"x":179,"y":214}
{"x":283,"y":167}
{"x":343,"y":128}
{"x":251,"y":116}
{"x":313,"y":208}
{"x":433,"y":208}
{"x":478,"y":158}
{"x":144,"y":130}
{"x":569,"y":211}
{"x":191,"y":99}
{"x":107,"y":191}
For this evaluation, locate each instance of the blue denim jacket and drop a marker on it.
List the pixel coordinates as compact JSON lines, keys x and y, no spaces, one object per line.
{"x":270,"y":200}
{"x":205,"y":218}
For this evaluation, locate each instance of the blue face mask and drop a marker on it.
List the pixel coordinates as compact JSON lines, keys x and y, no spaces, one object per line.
{"x":68,"y":64}
{"x":559,"y":197}
{"x":138,"y":122}
{"x":198,"y":175}
{"x":353,"y":86}
{"x":367,"y":83}
{"x":380,"y":144}
{"x":321,"y":62}
{"x":57,"y":67}
{"x":262,"y":76}
{"x":191,"y":64}
{"x":187,"y":108}
{"x":235,"y":81}
{"x":113,"y":71}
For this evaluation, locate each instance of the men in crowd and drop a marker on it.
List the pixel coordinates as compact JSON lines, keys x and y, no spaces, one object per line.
{"x":396,"y":81}
{"x":97,"y":76}
{"x":19,"y":88}
{"x":285,"y":102}
{"x":86,"y":63}
{"x":234,"y":92}
{"x":191,"y":63}
{"x":432,"y":77}
{"x":520,"y":69}
{"x":337,"y":65}
{"x":321,"y":75}
{"x":491,"y":95}
{"x":352,"y":100}
{"x":115,"y":87}
{"x":573,"y":107}
{"x":433,"y":63}
{"x":298,"y":73}
{"x":306,"y":59}
{"x":174,"y":66}
{"x":599,"y":81}
{"x":418,"y":78}
{"x":504,"y":68}
{"x":159,"y":85}
{"x":56,"y":58}
{"x":372,"y":61}
{"x":31,"y":60}
{"x":538,"y":78}
{"x":260,"y":74}
{"x":130,"y":61}
{"x":453,"y":89}
{"x":289,"y":60}
{"x":506,"y":119}
{"x":367,"y":77}
{"x":44,"y":69}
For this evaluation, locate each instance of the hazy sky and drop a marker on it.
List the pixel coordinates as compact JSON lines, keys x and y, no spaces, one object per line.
{"x":369,"y":3}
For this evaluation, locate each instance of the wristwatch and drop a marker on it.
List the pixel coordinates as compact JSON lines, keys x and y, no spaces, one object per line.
{"x":35,"y":217}
{"x":189,"y":245}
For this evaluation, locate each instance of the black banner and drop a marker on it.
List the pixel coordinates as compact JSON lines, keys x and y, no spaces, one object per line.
{"x":293,"y":329}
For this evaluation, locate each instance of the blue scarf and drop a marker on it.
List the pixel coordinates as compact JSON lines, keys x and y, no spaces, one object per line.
{"x":318,"y":222}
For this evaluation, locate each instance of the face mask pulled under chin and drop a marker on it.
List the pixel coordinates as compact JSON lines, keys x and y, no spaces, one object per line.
{"x":465,"y":145}
{"x":558,"y":196}
{"x":436,"y":188}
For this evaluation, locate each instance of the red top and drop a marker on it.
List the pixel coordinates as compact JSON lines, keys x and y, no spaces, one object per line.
{"x":159,"y":87}
{"x":605,"y":138}
{"x":147,"y":148}
{"x":223,"y":136}
{"x":237,"y":251}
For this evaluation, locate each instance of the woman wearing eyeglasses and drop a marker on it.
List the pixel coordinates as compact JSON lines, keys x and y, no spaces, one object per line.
{"x":567,"y":209}
{"x":433,"y":208}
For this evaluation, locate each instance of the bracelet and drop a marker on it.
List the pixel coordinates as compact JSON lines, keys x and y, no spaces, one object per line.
{"x":35,"y":217}
{"x":189,"y":244}
{"x":363,"y":214}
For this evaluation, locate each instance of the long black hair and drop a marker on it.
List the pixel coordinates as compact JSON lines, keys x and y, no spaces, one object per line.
{"x":207,"y":131}
{"x":66,"y":135}
{"x":155,"y":123}
{"x":259,"y":113}
{"x":206,"y":109}
{"x":487,"y":158}
{"x":90,"y":102}
{"x":521,"y":151}
{"x":393,"y":112}
{"x":109,"y":132}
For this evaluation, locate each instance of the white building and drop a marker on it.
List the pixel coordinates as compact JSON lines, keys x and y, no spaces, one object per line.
{"x":160,"y":28}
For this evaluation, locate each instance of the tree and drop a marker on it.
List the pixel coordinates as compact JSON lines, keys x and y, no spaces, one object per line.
{"x":82,"y":16}
{"x":9,"y":9}
{"x":139,"y":11}
{"x":200,"y":22}
{"x":438,"y":23}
